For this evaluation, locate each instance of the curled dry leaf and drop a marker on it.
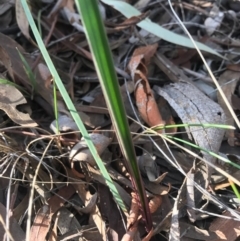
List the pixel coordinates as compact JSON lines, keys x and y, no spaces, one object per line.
{"x":10,"y":98}
{"x":148,"y":236}
{"x":129,"y":235}
{"x":228,"y":82}
{"x":145,"y":100}
{"x":148,"y":167}
{"x":155,"y":203}
{"x":80,"y":151}
{"x":134,"y":211}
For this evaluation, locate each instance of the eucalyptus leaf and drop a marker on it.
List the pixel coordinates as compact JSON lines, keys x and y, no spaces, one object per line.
{"x":129,"y":11}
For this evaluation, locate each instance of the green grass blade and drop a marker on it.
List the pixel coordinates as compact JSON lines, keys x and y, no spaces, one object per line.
{"x":207,"y":125}
{"x":103,"y":61}
{"x":71,"y":106}
{"x":205,"y":150}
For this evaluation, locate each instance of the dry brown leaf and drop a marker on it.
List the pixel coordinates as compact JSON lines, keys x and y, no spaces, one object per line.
{"x":15,"y":230}
{"x":11,"y":60}
{"x":10,"y":98}
{"x":148,"y":236}
{"x":166,"y":114}
{"x":155,"y":203}
{"x":155,"y":188}
{"x":6,"y":14}
{"x":134,"y":211}
{"x":228,"y":82}
{"x":225,"y":229}
{"x":53,"y":234}
{"x":190,"y":231}
{"x":145,"y":100}
{"x":95,"y":215}
{"x":57,"y":7}
{"x":233,"y":67}
{"x":109,"y":209}
{"x":173,"y":72}
{"x":41,"y":224}
{"x":67,"y":222}
{"x":129,"y":235}
{"x":184,"y":56}
{"x":42,"y":221}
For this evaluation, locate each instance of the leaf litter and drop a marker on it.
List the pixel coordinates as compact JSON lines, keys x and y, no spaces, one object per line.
{"x":163,"y":82}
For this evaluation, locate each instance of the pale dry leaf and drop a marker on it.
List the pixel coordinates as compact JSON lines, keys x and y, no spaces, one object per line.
{"x":190,"y":196}
{"x":57,"y":7}
{"x":141,"y":4}
{"x":5,"y":5}
{"x":190,"y":231}
{"x":10,"y":98}
{"x":95,"y":215}
{"x":228,"y":82}
{"x":89,"y":204}
{"x":148,"y":167}
{"x":6,"y":18}
{"x":22,"y":20}
{"x":67,"y":124}
{"x":214,"y":21}
{"x":193,"y":107}
{"x":67,"y":221}
{"x":53,"y":234}
{"x":81,"y":152}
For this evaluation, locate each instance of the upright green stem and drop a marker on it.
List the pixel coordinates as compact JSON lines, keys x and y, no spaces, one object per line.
{"x":103,"y":61}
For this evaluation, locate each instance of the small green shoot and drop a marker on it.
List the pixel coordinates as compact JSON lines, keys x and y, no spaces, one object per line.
{"x":7,"y":82}
{"x":55,"y":105}
{"x":29,"y":73}
{"x":206,"y":125}
{"x":234,"y":188}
